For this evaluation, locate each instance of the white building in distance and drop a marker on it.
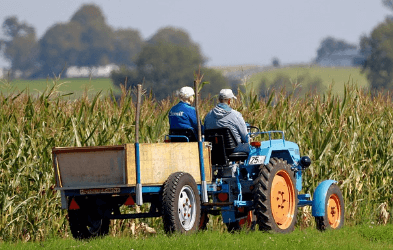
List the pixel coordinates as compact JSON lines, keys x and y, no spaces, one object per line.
{"x":102,"y":71}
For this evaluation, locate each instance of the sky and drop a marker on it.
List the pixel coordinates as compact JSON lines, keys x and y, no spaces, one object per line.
{"x":229,"y":33}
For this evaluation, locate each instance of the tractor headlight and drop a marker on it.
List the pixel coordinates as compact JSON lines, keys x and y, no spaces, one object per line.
{"x":305,"y":162}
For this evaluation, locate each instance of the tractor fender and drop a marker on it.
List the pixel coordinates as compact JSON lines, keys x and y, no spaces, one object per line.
{"x":319,"y":198}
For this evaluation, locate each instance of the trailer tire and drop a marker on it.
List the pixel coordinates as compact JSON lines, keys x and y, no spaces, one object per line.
{"x":334,"y":210}
{"x":181,"y":204}
{"x":275,"y":197}
{"x":84,"y":225}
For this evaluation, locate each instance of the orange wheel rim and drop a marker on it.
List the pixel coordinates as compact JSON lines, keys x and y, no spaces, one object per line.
{"x":249,"y":219}
{"x":334,"y":211}
{"x":283,"y":199}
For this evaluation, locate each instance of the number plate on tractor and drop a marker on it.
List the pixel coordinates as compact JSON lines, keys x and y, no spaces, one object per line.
{"x":100,"y":191}
{"x":257,"y":160}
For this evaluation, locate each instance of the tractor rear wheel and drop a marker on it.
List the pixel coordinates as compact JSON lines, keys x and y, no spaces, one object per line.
{"x":334,"y":210}
{"x":275,"y":197}
{"x":181,"y":204}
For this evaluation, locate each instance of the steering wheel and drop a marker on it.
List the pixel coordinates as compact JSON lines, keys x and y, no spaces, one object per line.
{"x":252,"y":129}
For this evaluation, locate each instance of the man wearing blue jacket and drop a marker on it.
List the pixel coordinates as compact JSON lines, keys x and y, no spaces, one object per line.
{"x":183,"y":115}
{"x":223,"y":115}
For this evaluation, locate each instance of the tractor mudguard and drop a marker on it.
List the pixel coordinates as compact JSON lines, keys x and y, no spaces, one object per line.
{"x":319,"y":198}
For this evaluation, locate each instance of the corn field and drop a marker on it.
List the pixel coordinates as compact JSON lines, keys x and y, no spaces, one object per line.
{"x":349,"y":139}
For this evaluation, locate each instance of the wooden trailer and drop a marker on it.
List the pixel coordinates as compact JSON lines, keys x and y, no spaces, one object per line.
{"x":114,"y":166}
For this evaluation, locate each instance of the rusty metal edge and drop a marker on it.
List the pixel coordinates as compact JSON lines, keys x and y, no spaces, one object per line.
{"x":60,"y":150}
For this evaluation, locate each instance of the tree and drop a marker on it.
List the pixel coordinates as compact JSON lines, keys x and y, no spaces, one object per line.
{"x":127,"y":44}
{"x":275,"y":62}
{"x":216,"y":82}
{"x":87,"y":40}
{"x":330,"y":45}
{"x":174,"y":36}
{"x":166,"y":67}
{"x":379,"y":51}
{"x":60,"y":46}
{"x":21,"y":47}
{"x":168,"y":62}
{"x":388,"y":4}
{"x":84,"y":41}
{"x":96,"y":37}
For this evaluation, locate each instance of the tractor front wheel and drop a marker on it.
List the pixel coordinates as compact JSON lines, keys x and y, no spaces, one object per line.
{"x":334,"y":210}
{"x":181,"y":204}
{"x":275,"y":197}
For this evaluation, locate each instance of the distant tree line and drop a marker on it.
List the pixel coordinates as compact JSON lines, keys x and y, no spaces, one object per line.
{"x":164,"y":63}
{"x":86,"y":40}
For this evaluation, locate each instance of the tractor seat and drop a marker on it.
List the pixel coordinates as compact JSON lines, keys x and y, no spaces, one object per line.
{"x":188,"y":132}
{"x":223,"y":143}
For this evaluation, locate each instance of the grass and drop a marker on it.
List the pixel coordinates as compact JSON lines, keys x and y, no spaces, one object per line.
{"x":337,"y":77}
{"x":359,"y":237}
{"x":77,"y":86}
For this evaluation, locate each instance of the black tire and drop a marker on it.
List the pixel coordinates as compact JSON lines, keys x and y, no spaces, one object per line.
{"x":86,"y":225}
{"x":280,"y":219}
{"x":334,"y":205}
{"x":181,"y":204}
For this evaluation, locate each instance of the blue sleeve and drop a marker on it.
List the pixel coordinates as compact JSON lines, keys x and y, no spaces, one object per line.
{"x":193,"y":119}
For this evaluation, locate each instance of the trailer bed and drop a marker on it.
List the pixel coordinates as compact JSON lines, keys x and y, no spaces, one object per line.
{"x":114,"y":166}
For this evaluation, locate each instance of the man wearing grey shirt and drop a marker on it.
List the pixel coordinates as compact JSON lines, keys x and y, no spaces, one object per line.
{"x":223,"y":115}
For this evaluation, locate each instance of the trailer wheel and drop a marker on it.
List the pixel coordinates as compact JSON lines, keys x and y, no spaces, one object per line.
{"x":275,"y":197}
{"x":85,"y":225}
{"x":181,"y":204}
{"x":334,"y":210}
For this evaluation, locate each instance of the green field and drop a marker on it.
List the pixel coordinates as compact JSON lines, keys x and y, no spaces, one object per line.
{"x":76,"y":86}
{"x":349,"y":139}
{"x":337,"y":77}
{"x":359,"y":237}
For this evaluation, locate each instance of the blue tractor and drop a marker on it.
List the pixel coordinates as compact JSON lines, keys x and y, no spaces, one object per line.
{"x":262,"y":187}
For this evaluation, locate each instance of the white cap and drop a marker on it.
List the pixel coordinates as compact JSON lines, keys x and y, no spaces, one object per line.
{"x":186,"y":92}
{"x":226,"y":94}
